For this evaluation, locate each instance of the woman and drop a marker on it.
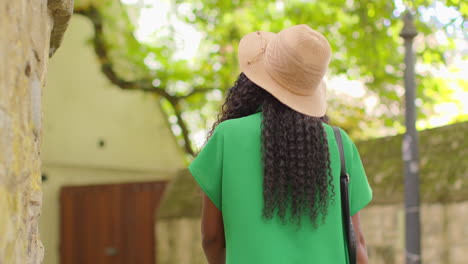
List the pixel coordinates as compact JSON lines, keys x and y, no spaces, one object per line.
{"x":270,"y":168}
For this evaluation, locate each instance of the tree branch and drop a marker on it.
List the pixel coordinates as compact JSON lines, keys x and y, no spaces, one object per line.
{"x":145,"y":85}
{"x":107,"y":67}
{"x":185,"y":131}
{"x":195,"y":91}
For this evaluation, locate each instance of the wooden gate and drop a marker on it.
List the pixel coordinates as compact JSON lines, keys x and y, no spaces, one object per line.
{"x":109,"y":224}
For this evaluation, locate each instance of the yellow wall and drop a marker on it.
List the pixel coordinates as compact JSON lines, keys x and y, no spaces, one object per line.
{"x":81,"y":107}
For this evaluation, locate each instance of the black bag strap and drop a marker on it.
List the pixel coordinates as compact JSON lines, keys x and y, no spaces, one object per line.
{"x":345,"y":212}
{"x":339,"y":141}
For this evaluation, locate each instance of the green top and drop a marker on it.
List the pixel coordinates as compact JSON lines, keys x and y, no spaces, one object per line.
{"x":229,"y":170}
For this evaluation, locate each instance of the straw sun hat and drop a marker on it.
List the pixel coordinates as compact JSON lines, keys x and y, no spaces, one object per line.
{"x":290,"y":65}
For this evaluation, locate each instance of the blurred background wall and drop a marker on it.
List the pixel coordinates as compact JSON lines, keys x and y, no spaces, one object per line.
{"x":444,"y":198}
{"x":30,"y":32}
{"x":96,"y":134}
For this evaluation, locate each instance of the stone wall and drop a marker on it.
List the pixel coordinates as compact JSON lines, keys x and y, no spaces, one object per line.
{"x":31,"y":32}
{"x":443,"y":165}
{"x":444,"y":196}
{"x":179,"y":241}
{"x":444,"y":233}
{"x":178,"y":226}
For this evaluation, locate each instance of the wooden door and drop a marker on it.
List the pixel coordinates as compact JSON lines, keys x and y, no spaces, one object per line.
{"x":109,"y":224}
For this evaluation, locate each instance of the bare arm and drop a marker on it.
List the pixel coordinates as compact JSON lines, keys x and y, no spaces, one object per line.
{"x":214,"y":243}
{"x":361,"y":250}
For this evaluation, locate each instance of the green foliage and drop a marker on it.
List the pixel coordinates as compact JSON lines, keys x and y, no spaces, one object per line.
{"x":365,"y":39}
{"x":364,"y":36}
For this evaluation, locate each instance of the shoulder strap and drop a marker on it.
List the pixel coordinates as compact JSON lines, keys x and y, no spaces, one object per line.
{"x":339,"y":141}
{"x":344,"y":181}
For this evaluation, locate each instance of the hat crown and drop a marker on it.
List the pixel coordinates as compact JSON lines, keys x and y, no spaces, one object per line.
{"x":290,"y":65}
{"x":298,"y":59}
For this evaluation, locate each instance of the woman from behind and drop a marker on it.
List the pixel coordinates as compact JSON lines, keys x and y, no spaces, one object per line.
{"x":271,"y":166}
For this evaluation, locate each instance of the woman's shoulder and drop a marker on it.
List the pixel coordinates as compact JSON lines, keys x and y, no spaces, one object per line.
{"x":241,"y":124}
{"x":344,"y":136}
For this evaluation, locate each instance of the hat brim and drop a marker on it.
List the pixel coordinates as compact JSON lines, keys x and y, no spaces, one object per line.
{"x":251,"y":61}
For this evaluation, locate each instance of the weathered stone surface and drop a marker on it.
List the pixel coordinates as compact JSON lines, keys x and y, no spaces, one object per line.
{"x":443,"y":165}
{"x":182,"y":198}
{"x":24,"y":50}
{"x":444,"y":185}
{"x":444,"y":172}
{"x":444,"y":233}
{"x":178,"y":225}
{"x":179,"y":241}
{"x":61,"y":11}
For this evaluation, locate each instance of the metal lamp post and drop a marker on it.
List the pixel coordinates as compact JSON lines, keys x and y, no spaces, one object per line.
{"x":410,"y":149}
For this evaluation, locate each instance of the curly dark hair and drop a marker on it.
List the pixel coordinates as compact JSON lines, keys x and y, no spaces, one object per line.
{"x":296,"y":160}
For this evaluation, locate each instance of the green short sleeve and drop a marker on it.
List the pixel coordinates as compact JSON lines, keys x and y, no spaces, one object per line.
{"x":359,"y":188}
{"x":207,"y":168}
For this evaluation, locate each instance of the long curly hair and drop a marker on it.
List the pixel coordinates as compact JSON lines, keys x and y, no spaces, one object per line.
{"x":296,"y":162}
